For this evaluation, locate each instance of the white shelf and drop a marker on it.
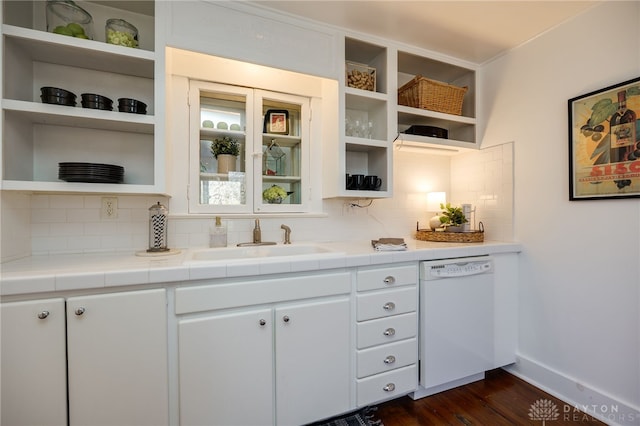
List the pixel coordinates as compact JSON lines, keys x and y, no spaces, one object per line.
{"x":58,"y":49}
{"x":80,"y":117}
{"x":417,"y":112}
{"x":73,"y":187}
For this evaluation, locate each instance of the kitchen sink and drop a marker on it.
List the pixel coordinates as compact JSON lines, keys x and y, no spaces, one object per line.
{"x":258,"y":251}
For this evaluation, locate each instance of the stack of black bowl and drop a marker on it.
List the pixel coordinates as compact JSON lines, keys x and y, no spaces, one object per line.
{"x":56,"y":96}
{"x":132,"y":105}
{"x":93,"y":101}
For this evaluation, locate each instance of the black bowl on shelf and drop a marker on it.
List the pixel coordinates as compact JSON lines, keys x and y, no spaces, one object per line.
{"x":57,"y":96}
{"x":132,"y":106}
{"x":93,"y":101}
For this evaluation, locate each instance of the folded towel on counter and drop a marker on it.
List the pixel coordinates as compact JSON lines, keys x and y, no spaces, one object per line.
{"x":389,"y":244}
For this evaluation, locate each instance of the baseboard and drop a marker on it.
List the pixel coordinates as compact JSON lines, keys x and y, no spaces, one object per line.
{"x":577,"y":396}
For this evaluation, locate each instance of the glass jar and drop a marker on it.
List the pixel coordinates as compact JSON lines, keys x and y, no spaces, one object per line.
{"x":122,"y":33}
{"x":67,"y":18}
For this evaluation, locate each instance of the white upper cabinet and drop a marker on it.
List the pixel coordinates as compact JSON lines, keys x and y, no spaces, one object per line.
{"x":249,"y":150}
{"x":37,"y":136}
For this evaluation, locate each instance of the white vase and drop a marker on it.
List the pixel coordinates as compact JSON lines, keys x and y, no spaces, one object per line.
{"x":226,"y":163}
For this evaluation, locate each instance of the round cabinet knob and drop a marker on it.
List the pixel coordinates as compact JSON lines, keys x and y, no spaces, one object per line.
{"x":285,"y":318}
{"x":389,"y":306}
{"x":390,"y":359}
{"x":262,"y":322}
{"x":79,"y":311}
{"x":389,"y":387}
{"x":389,"y":331}
{"x":43,"y":314}
{"x":389,"y":280}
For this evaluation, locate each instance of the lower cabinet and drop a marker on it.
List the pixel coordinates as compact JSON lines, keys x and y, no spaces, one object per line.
{"x":106,"y":354}
{"x":34,"y":366}
{"x":277,"y":363}
{"x":387,"y":333}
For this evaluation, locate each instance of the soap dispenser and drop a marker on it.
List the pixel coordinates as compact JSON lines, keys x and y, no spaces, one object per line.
{"x":218,"y":234}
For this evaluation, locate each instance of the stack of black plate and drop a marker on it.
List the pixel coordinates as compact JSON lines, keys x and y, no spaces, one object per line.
{"x":90,"y":172}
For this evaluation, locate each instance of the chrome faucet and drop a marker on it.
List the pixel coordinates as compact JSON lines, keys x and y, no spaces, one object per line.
{"x":287,"y":234}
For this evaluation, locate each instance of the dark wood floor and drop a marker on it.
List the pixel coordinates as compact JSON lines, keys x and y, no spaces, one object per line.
{"x":499,"y":399}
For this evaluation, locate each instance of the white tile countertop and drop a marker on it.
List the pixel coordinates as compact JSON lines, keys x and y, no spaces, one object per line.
{"x":55,"y":273}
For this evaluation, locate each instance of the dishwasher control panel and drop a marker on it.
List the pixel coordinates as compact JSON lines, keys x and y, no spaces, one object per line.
{"x":451,"y":268}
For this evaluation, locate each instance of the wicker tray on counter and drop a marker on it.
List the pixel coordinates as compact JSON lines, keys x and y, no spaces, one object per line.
{"x":451,"y":237}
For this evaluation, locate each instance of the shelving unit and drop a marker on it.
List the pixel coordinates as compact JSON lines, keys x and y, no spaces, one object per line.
{"x":461,"y":128}
{"x":36,"y":136}
{"x":372,"y":121}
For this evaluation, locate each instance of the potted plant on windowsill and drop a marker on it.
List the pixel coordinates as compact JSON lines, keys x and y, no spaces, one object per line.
{"x":452,"y":218}
{"x":225,"y":149}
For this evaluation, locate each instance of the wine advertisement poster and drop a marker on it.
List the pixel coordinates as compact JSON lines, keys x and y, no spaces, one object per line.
{"x":604,"y":143}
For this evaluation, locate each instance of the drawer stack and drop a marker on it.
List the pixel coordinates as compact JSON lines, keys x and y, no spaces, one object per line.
{"x":387,"y":325}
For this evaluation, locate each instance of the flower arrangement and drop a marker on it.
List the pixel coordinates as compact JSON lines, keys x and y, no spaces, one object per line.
{"x":274,"y":194}
{"x":225,"y":145}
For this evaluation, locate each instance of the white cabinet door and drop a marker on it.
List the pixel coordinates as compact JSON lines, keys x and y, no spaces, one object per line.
{"x":312,"y":360}
{"x":117,"y":357}
{"x":226,"y":369}
{"x":33,"y":363}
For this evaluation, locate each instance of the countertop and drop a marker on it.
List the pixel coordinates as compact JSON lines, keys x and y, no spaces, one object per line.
{"x":65,"y":272}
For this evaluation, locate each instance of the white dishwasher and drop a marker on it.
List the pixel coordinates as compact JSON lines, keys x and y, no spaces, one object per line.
{"x":456,"y":323}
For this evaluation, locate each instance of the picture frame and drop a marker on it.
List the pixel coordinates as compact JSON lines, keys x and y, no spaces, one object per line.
{"x":276,"y":121}
{"x":604,"y":143}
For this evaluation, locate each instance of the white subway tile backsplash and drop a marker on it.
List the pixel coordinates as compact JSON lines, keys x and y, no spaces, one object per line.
{"x":47,"y":224}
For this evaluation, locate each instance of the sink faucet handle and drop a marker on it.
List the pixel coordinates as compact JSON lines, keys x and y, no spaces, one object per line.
{"x":257,"y":234}
{"x":287,"y":233}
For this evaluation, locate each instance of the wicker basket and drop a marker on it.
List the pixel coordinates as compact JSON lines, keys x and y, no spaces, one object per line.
{"x":433,"y":95}
{"x":450,"y":237}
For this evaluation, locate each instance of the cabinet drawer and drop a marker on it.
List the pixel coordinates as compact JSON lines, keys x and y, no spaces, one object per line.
{"x":387,"y":303}
{"x":372,"y":279}
{"x":229,"y":295}
{"x":387,"y":357}
{"x":387,"y":385}
{"x":386,"y":330}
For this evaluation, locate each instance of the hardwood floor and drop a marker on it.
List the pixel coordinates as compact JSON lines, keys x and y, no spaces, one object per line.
{"x":500,"y":399}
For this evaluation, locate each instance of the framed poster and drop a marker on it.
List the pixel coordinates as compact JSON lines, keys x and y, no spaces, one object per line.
{"x":604,"y":143}
{"x":276,"y":121}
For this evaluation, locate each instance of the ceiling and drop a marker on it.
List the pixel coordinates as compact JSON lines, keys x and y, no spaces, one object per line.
{"x":475,"y":31}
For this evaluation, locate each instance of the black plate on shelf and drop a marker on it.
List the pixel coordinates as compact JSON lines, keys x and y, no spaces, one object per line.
{"x":90,"y":172}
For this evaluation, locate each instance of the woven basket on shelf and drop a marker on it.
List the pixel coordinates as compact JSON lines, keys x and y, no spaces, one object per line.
{"x":433,"y":95}
{"x":451,"y":237}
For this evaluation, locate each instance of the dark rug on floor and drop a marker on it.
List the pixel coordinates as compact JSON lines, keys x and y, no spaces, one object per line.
{"x":362,"y":417}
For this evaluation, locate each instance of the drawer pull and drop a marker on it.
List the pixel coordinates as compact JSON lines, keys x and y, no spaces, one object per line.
{"x":262,"y":322}
{"x":390,"y":387}
{"x":389,"y":280}
{"x":43,"y":314}
{"x":79,"y":311}
{"x":389,"y":306}
{"x":285,"y":318}
{"x":390,"y":359}
{"x":389,"y":331}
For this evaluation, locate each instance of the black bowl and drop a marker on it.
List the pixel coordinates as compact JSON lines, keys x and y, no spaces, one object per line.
{"x":132,"y":106}
{"x":93,"y":101}
{"x":57,"y":96}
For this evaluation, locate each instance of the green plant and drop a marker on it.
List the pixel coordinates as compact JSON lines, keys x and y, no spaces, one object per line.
{"x":225,"y":145}
{"x":452,"y":216}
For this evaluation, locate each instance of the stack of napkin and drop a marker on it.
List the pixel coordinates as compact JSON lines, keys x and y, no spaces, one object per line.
{"x":389,"y":244}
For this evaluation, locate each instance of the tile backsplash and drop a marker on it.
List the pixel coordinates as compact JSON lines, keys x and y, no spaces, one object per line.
{"x":40,"y":224}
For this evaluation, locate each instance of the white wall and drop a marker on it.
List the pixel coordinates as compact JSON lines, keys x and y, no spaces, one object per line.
{"x":580,"y":269}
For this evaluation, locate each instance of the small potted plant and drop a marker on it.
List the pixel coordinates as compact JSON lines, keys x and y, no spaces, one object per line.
{"x":452,"y":218}
{"x":226,"y":149}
